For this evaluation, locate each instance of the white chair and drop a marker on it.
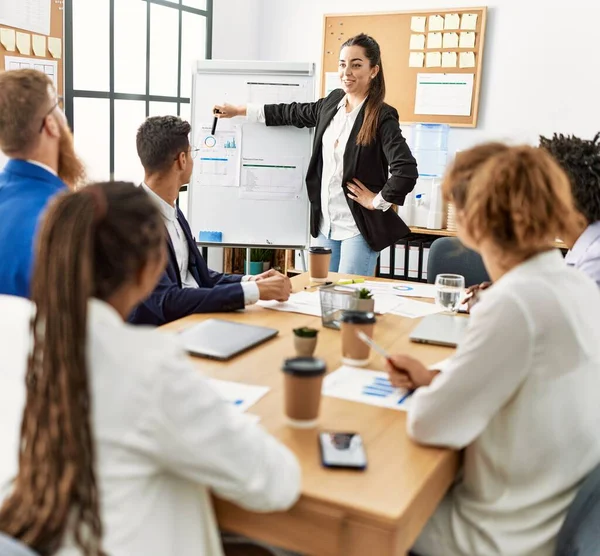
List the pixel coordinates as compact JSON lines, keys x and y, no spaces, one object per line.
{"x":12,"y":547}
{"x":15,"y":317}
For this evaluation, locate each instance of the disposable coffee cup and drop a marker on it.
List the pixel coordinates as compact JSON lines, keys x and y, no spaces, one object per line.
{"x":303,"y":378}
{"x":318,"y":264}
{"x":354,"y":351}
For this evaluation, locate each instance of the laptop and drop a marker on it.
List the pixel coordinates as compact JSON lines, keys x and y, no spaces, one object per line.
{"x":441,"y":330}
{"x":222,"y":339}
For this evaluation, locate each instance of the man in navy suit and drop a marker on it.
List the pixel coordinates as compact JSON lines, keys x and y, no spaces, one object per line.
{"x":188,"y":286}
{"x":35,"y":135}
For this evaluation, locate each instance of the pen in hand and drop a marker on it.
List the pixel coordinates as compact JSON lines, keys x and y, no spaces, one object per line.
{"x":376,"y":347}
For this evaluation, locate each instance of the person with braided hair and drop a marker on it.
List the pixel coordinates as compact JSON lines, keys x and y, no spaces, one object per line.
{"x":122,"y":438}
{"x":580,"y":159}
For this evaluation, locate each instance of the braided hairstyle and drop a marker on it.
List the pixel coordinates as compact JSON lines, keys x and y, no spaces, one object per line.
{"x":91,"y":243}
{"x":580,"y":159}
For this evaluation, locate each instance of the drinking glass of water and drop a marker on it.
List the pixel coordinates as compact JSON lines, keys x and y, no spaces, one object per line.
{"x":449,"y":290}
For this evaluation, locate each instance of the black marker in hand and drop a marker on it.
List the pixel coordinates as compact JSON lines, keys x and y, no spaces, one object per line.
{"x":215,"y":120}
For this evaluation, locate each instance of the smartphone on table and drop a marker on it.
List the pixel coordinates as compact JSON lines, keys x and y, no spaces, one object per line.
{"x":342,"y":450}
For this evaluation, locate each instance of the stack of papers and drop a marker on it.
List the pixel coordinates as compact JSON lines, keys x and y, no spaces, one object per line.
{"x":306,"y":303}
{"x":365,"y":386}
{"x":389,"y":298}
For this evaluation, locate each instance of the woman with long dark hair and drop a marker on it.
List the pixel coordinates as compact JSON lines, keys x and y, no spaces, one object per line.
{"x":121,"y":437}
{"x":360,"y":164}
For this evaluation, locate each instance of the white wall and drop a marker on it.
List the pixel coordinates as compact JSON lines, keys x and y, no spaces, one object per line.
{"x":539,"y":61}
{"x":236,"y":27}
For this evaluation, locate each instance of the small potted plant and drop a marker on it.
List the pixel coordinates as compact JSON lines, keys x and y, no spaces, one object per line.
{"x":260,"y":260}
{"x":305,"y":341}
{"x":365,"y":301}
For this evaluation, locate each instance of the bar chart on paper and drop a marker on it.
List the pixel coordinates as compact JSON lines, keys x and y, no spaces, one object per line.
{"x":365,"y":386}
{"x":218,"y":157}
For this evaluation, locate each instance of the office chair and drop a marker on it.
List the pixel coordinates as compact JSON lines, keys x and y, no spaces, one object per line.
{"x":449,"y":256}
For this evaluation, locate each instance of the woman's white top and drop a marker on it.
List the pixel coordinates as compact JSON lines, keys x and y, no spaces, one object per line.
{"x":337,"y":222}
{"x":522,"y":396}
{"x":165,"y":440}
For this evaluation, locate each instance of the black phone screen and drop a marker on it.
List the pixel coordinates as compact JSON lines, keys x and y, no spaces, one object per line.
{"x":342,"y":449}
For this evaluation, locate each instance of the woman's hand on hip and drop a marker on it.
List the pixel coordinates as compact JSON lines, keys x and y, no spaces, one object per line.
{"x":228,"y":110}
{"x":359,"y":193}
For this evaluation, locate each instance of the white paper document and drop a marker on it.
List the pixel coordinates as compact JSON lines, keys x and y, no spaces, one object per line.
{"x":405,"y":289}
{"x":450,"y":40}
{"x":417,"y":23}
{"x":31,"y":15}
{"x":218,"y":158}
{"x":434,"y":40}
{"x":413,"y":309}
{"x":452,"y":21}
{"x":417,"y":42}
{"x":305,"y":303}
{"x":267,"y":92}
{"x":436,"y":23}
{"x":449,"y":59}
{"x":49,"y":67}
{"x":240,"y":396}
{"x":416,"y":59}
{"x":469,"y":22}
{"x":444,"y":94}
{"x":332,"y":81}
{"x":365,"y":386}
{"x":272,"y":178}
{"x":433,"y":60}
{"x":467,"y":40}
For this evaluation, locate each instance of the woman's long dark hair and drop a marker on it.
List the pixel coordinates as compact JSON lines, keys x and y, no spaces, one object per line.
{"x":368,"y":130}
{"x":91,"y":243}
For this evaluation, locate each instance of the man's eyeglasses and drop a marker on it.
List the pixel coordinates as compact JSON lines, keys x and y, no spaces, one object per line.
{"x":54,"y":106}
{"x":192,"y":152}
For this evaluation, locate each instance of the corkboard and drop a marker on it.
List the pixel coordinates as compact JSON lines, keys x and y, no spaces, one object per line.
{"x":56,"y":30}
{"x":393,"y":31}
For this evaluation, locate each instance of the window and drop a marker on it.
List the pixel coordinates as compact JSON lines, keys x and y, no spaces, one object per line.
{"x":126,"y":60}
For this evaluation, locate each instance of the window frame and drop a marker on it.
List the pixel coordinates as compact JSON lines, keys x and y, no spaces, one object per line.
{"x":70,"y":93}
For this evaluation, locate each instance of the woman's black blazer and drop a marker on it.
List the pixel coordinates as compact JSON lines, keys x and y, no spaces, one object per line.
{"x":386,"y":165}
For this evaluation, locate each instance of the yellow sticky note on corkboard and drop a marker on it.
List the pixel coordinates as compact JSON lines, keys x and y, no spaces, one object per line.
{"x":55,"y":47}
{"x":24,"y":43}
{"x":39,"y":45}
{"x":8,"y":39}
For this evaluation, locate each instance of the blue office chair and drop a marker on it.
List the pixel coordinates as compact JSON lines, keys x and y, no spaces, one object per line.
{"x":449,"y":256}
{"x":12,"y":547}
{"x":580,"y":533}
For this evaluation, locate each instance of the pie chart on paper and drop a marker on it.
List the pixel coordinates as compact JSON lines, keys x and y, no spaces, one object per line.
{"x":210,"y":142}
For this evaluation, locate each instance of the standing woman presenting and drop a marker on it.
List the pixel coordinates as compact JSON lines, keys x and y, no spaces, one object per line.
{"x":360,"y":164}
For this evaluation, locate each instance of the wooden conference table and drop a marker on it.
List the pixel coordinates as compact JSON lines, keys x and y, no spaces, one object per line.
{"x":379,"y":511}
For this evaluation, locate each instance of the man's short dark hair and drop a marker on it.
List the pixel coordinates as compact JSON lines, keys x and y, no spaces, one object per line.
{"x":159,"y":141}
{"x":580,"y":159}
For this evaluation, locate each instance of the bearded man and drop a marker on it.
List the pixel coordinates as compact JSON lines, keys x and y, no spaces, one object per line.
{"x":35,"y":135}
